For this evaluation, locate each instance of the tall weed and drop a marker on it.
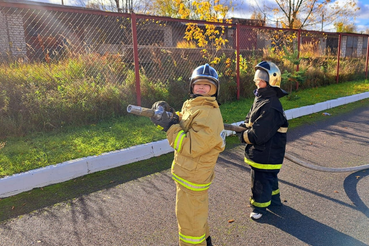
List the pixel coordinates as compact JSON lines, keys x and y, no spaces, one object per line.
{"x":38,"y":97}
{"x":86,"y":89}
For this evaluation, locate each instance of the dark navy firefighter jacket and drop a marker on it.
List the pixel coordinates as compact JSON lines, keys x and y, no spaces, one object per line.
{"x":266,"y":134}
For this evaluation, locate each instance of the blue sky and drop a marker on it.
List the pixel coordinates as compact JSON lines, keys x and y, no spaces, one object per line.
{"x":363,"y":15}
{"x":245,"y":7}
{"x":361,"y":20}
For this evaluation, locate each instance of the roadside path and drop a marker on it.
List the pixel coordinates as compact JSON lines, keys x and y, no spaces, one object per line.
{"x":319,"y":208}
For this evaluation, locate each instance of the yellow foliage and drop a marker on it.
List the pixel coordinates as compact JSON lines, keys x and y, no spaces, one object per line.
{"x":216,"y":60}
{"x":186,"y":45}
{"x":210,"y":37}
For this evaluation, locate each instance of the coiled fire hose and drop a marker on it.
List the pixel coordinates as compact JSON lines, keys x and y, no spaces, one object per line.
{"x":137,"y":110}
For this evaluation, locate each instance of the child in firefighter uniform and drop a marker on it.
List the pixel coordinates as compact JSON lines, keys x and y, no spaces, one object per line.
{"x":265,"y":138}
{"x":197,"y":137}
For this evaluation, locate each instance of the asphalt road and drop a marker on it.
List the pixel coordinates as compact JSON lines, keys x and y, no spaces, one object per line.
{"x":319,"y":208}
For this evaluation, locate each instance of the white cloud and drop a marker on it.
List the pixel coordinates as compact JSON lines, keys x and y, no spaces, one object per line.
{"x":248,"y":7}
{"x":363,"y":13}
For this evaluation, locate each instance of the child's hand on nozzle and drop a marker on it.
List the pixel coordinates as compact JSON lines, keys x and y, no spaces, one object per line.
{"x":165,"y":121}
{"x":165,"y":115}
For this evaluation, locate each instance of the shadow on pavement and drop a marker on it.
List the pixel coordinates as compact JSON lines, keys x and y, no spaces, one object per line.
{"x":306,"y":229}
{"x":350,"y":185}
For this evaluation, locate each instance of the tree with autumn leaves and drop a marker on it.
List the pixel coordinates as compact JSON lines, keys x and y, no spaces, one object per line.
{"x":211,"y":37}
{"x":300,"y":14}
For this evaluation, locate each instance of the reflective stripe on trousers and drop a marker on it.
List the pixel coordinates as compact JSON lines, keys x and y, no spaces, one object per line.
{"x":192,"y":240}
{"x":263,"y":204}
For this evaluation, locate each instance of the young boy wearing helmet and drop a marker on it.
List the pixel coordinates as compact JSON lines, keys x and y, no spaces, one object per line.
{"x":265,"y":138}
{"x":197,"y":137}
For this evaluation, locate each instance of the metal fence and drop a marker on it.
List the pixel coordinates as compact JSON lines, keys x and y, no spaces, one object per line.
{"x":118,"y":47}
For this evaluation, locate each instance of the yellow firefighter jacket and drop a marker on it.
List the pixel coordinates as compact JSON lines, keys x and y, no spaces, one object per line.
{"x":197,"y":140}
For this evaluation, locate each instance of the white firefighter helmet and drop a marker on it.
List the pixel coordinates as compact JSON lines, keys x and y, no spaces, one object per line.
{"x":206,"y":74}
{"x":274,"y":73}
{"x":272,"y":70}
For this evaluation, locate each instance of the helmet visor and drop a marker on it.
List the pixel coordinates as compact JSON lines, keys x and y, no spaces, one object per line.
{"x":261,"y":74}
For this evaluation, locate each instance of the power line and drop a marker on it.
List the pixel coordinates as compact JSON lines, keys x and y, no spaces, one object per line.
{"x":262,"y":11}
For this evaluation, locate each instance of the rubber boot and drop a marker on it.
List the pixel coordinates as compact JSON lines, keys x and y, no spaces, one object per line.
{"x":208,"y":241}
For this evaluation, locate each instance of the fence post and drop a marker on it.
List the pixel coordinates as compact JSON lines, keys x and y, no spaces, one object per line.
{"x":298,"y":48}
{"x":238,"y":59}
{"x":367,"y":58}
{"x":135,"y":56}
{"x":298,"y":55}
{"x":338,"y":57}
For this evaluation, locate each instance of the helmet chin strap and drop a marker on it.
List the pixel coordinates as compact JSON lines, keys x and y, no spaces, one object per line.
{"x":195,"y":95}
{"x":199,"y":95}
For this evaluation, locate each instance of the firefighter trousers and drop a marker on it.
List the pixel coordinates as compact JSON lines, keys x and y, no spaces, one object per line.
{"x":265,"y":191}
{"x":192,"y":216}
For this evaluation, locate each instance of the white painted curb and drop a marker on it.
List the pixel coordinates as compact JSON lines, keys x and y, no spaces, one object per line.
{"x":15,"y":184}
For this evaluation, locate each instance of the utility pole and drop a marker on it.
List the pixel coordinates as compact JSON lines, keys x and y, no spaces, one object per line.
{"x":322,"y":20}
{"x":62,"y":2}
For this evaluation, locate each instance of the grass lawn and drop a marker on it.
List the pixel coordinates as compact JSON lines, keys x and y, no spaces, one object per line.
{"x":20,"y":154}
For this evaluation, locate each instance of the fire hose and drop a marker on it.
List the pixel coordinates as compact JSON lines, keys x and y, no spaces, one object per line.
{"x":141,"y":111}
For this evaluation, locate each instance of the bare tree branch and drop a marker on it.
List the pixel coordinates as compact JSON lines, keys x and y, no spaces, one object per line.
{"x":298,"y":14}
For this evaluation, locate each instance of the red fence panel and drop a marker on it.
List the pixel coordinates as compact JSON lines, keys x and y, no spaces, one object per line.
{"x":157,"y":51}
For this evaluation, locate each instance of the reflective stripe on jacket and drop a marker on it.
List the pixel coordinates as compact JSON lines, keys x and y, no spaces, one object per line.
{"x":264,"y":165}
{"x":188,"y":184}
{"x":197,"y":140}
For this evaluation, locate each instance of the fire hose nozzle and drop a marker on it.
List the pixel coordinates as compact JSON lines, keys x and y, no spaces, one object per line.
{"x":147,"y":112}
